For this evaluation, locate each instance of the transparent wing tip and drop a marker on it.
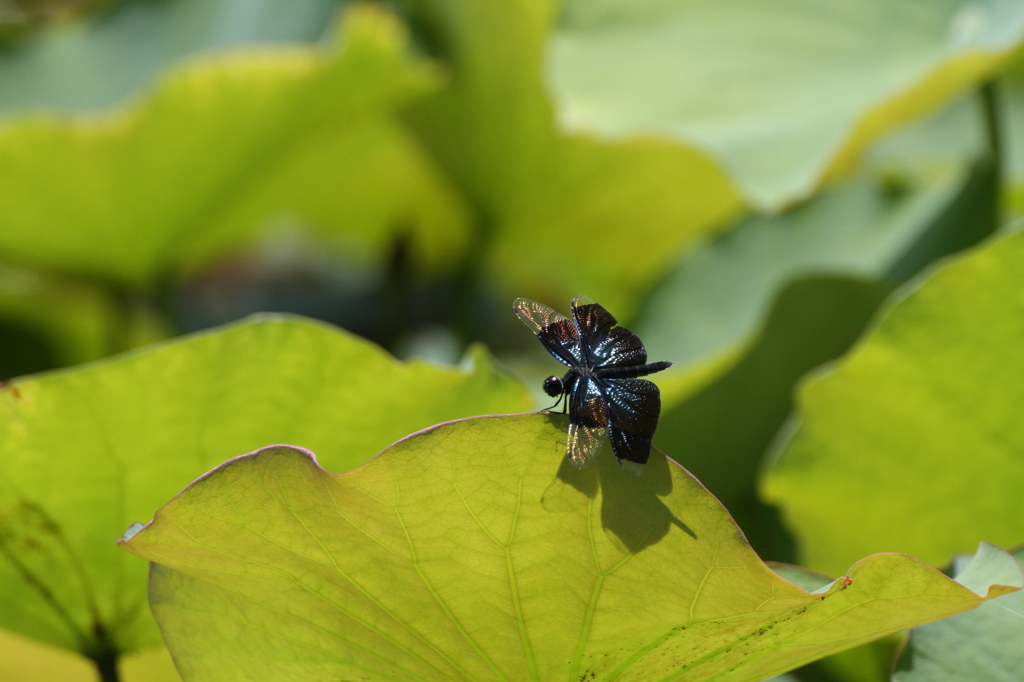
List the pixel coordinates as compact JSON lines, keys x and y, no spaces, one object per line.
{"x":577,"y":463}
{"x":582,"y":299}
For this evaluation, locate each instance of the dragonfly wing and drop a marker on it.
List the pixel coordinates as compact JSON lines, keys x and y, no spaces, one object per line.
{"x":604,"y":344}
{"x":588,"y":421}
{"x":594,"y":323}
{"x":584,"y":444}
{"x":634,"y":406}
{"x":555,"y":331}
{"x":621,"y":348}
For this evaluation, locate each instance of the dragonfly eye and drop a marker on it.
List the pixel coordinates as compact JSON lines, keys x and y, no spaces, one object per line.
{"x":553,"y":386}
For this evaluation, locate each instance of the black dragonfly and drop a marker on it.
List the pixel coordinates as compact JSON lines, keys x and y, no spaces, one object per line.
{"x":603,"y":392}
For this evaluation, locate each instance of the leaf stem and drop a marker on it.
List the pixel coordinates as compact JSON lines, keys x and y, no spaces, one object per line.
{"x":993,"y":137}
{"x":103,"y":654}
{"x":993,"y":129}
{"x":106,"y":665}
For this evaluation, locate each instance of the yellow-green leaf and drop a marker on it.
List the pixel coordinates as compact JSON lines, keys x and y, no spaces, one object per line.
{"x":918,"y":429}
{"x":226,"y":145}
{"x":558,"y":214}
{"x":472,"y":550}
{"x":85,"y":452}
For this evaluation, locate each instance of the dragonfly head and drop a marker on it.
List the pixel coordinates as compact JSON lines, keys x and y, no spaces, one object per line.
{"x":553,"y":386}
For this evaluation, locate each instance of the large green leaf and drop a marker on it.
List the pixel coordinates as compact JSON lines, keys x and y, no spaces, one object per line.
{"x":558,"y":214}
{"x":983,"y":644}
{"x":222,"y":146}
{"x":86,"y":452}
{"x":782,"y":92}
{"x":75,"y":67}
{"x":473,"y":550}
{"x":921,"y":420}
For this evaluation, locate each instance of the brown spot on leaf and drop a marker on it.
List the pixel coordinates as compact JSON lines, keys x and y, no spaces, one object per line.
{"x":7,"y":386}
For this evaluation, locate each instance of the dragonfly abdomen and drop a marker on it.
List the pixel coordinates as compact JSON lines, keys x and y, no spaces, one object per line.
{"x":631,"y":372}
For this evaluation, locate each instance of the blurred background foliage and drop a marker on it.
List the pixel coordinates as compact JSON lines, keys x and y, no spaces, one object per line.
{"x":741,"y":183}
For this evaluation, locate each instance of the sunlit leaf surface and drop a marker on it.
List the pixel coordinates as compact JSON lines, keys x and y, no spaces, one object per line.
{"x":922,"y":419}
{"x":223,"y":146}
{"x":474,"y":551}
{"x":782,"y":92}
{"x":86,"y":452}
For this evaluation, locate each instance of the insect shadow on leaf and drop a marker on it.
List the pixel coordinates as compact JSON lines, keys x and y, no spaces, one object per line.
{"x":631,"y":508}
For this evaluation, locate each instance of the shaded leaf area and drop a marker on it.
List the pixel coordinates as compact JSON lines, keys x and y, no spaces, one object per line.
{"x":118,"y":438}
{"x":716,"y":298}
{"x":23,"y":351}
{"x":76,"y":67}
{"x":222,"y":146}
{"x":746,"y":81}
{"x":26,"y":660}
{"x":723,"y":429}
{"x":983,"y":644}
{"x":58,"y":322}
{"x":931,"y":395}
{"x":831,"y":261}
{"x":472,"y":550}
{"x":556,"y":214}
{"x":19,"y":18}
